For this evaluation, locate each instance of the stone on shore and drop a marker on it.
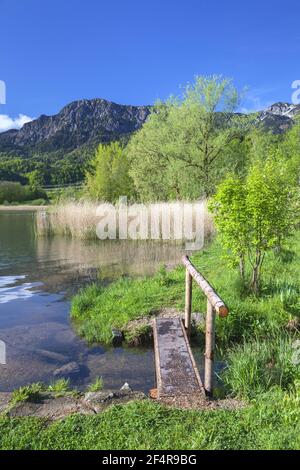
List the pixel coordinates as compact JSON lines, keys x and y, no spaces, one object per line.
{"x":50,"y":406}
{"x":98,"y":401}
{"x":126,"y":387}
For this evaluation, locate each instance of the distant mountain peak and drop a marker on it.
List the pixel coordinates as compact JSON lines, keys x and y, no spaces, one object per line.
{"x":82,"y":122}
{"x":88,"y":122}
{"x":283,"y":109}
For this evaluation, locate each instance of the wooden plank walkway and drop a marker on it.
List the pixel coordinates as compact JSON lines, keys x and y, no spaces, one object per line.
{"x":176,"y":370}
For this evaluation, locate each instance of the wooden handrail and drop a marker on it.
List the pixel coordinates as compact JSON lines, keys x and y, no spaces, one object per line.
{"x":217,"y":303}
{"x":214,"y":304}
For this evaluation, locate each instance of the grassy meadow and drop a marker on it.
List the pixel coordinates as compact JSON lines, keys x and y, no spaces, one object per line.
{"x":96,"y":310}
{"x":269,"y":423}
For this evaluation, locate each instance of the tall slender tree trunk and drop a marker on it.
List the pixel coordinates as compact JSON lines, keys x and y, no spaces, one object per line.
{"x":242,"y":268}
{"x":255,"y":279}
{"x":206,"y":173}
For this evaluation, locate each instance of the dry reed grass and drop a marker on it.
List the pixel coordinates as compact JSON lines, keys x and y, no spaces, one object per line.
{"x":79,"y":219}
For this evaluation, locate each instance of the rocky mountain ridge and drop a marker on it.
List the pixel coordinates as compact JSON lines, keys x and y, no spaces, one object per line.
{"x":84,"y":122}
{"x":89,"y":122}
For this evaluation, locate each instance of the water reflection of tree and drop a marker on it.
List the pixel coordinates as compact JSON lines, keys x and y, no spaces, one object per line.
{"x":67,"y":262}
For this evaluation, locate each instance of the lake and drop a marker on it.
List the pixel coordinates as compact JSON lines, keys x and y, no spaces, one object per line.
{"x":38,"y":276}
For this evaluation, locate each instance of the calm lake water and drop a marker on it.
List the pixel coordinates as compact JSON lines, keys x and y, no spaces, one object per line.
{"x":38,"y":276}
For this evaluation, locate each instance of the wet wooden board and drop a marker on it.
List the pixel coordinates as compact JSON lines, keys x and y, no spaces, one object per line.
{"x":176,"y":371}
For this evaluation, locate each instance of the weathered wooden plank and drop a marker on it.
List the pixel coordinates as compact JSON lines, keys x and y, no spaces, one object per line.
{"x":208,"y":290}
{"x":176,"y":370}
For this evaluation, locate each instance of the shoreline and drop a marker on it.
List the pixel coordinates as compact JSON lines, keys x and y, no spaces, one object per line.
{"x":22,"y":207}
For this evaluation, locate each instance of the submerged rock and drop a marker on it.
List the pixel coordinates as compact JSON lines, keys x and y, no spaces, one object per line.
{"x":68,"y":370}
{"x":51,"y":355}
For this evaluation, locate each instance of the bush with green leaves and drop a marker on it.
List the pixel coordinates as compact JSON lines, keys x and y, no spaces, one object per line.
{"x":255,"y":214}
{"x":11,"y":192}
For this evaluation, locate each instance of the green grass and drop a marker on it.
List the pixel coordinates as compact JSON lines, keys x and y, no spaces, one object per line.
{"x":96,"y":386}
{"x":59,"y":387}
{"x":33,"y":391}
{"x":253,"y":338}
{"x":270,"y":423}
{"x":28,"y":392}
{"x":255,"y":367}
{"x":96,"y":310}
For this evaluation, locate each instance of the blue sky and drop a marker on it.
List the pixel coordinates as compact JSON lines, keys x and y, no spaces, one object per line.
{"x":133,"y":52}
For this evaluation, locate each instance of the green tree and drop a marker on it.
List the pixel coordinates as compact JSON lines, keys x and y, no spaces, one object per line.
{"x":35,"y":180}
{"x":255,"y":214}
{"x":181,"y":149}
{"x":231,"y":218}
{"x":108,"y":177}
{"x":290,"y":151}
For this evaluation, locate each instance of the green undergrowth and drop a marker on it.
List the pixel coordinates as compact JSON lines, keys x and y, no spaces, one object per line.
{"x":96,"y":309}
{"x":255,"y":367}
{"x":272,"y":422}
{"x":33,"y":392}
{"x":97,"y":385}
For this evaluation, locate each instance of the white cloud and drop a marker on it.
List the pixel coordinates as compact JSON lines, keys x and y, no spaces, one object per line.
{"x":7,"y":122}
{"x":255,"y":103}
{"x":258,"y":99}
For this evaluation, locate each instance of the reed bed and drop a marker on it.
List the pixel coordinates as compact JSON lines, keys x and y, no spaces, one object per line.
{"x":157,"y":221}
{"x":75,"y":219}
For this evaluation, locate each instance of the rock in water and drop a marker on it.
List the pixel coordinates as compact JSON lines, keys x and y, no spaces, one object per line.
{"x":68,"y":370}
{"x":117,"y":337}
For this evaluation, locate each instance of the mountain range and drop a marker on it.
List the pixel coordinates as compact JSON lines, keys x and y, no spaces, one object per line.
{"x":86,"y":123}
{"x":81,"y":123}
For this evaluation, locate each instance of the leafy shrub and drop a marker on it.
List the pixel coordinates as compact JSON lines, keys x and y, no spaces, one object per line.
{"x":28,"y":392}
{"x":11,"y":192}
{"x":255,"y":215}
{"x":59,"y":387}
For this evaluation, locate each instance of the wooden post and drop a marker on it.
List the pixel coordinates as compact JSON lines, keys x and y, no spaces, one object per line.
{"x":209,"y":349}
{"x":214,"y":305}
{"x":208,"y":290}
{"x":188,"y":303}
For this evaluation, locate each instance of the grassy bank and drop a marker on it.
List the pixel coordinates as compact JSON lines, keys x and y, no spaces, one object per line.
{"x":257,"y":339}
{"x":23,"y":207}
{"x":96,"y":310}
{"x":272,"y":422}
